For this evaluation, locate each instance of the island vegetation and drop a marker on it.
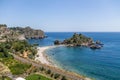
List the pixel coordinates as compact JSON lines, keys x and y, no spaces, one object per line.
{"x":80,"y":40}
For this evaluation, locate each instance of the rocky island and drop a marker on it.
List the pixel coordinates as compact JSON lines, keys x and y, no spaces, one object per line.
{"x":80,"y":40}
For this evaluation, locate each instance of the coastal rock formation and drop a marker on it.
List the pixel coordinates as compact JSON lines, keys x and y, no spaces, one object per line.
{"x":3,"y":29}
{"x":19,"y":33}
{"x":80,"y":40}
{"x":5,"y":33}
{"x":57,"y":42}
{"x":29,"y":33}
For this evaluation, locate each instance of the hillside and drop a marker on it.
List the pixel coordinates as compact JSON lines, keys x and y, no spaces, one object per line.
{"x":29,"y":33}
{"x":19,"y":33}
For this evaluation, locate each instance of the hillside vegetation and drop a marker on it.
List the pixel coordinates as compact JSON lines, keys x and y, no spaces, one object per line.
{"x":37,"y":77}
{"x":21,"y":48}
{"x":19,"y":33}
{"x":29,"y":33}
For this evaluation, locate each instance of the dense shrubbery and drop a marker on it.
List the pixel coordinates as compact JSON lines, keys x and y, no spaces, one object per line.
{"x":56,"y":75}
{"x":52,"y":74}
{"x":48,"y":71}
{"x":36,"y":77}
{"x":78,"y":39}
{"x":64,"y":78}
{"x":19,"y":68}
{"x":17,"y":47}
{"x":5,"y":78}
{"x":15,"y":66}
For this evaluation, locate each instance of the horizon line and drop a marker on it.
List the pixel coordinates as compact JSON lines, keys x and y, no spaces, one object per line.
{"x":86,"y":31}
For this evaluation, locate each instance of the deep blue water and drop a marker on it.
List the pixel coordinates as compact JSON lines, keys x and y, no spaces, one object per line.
{"x":103,"y":64}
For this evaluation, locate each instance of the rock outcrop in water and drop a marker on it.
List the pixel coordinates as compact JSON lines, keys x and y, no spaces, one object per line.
{"x":80,"y":40}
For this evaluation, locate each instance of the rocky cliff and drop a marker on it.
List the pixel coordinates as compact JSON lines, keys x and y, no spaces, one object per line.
{"x":29,"y":33}
{"x":14,"y":33}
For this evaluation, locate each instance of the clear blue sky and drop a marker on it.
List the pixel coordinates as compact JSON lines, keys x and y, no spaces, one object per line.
{"x":62,"y":15}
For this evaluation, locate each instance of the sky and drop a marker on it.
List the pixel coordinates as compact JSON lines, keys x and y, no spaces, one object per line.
{"x":62,"y":15}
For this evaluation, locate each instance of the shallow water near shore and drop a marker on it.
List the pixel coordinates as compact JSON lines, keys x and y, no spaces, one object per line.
{"x":102,"y":64}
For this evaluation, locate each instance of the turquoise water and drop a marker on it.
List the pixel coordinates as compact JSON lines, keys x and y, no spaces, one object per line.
{"x":103,"y":64}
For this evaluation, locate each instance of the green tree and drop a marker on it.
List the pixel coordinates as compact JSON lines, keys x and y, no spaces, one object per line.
{"x":48,"y":71}
{"x":56,"y":75}
{"x":63,"y":78}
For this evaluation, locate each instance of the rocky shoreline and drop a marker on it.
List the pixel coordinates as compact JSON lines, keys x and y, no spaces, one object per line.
{"x":19,"y":33}
{"x":80,"y":40}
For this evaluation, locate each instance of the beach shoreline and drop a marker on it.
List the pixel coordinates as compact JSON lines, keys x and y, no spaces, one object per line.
{"x":43,"y":58}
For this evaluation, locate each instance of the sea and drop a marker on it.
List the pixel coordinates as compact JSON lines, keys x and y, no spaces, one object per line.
{"x":99,"y":64}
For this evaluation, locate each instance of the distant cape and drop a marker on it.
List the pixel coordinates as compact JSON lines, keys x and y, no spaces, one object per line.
{"x":9,"y":33}
{"x":30,"y":33}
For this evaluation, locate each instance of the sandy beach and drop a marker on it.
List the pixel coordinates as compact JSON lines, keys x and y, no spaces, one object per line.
{"x":40,"y":56}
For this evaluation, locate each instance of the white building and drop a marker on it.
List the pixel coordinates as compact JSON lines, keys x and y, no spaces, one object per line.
{"x":19,"y":78}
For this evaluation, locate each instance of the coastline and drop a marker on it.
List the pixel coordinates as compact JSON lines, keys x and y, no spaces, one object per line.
{"x":44,"y":59}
